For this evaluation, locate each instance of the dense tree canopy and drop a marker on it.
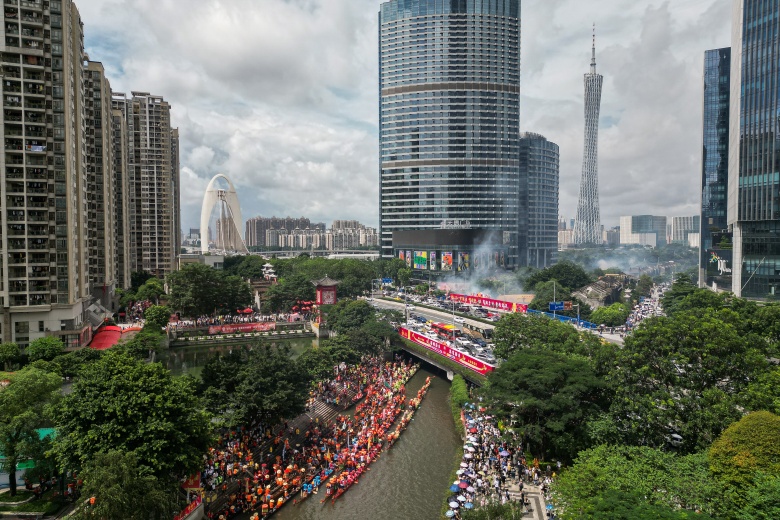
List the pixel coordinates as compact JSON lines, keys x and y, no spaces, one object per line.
{"x":124,"y":488}
{"x":8,"y":353}
{"x":567,"y":274}
{"x":263,"y":384}
{"x":551,"y":291}
{"x":23,"y":409}
{"x":662,"y":478}
{"x":551,"y":396}
{"x":46,"y":348}
{"x":613,"y":316}
{"x":688,"y":373}
{"x":517,"y":331}
{"x":198,"y":289}
{"x":120,"y":403}
{"x":157,"y":316}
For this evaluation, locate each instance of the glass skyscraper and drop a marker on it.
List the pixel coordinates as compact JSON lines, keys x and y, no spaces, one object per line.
{"x":449,"y":80}
{"x":539,"y":180}
{"x":715,"y":245}
{"x":754,"y":151}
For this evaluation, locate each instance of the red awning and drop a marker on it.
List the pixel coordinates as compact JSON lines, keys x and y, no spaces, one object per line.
{"x":106,"y":338}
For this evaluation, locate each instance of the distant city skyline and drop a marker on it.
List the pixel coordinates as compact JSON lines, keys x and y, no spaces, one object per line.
{"x":297,"y":122}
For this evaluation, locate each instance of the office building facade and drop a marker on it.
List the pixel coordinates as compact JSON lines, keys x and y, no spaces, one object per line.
{"x":449,"y":88}
{"x":538,"y":205}
{"x":754,"y":149}
{"x":715,"y":171}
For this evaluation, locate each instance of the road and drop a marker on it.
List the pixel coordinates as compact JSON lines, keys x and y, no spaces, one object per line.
{"x":441,"y":316}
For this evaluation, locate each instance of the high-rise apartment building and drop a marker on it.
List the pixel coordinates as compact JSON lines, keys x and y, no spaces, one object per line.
{"x":587,"y":229}
{"x":538,"y":206}
{"x":449,"y":120}
{"x":754,"y":149}
{"x":257,"y":228}
{"x":681,"y":227}
{"x":120,"y":144}
{"x":153,"y":182}
{"x":44,"y":278}
{"x":101,"y":185}
{"x":715,"y":171}
{"x":646,"y":230}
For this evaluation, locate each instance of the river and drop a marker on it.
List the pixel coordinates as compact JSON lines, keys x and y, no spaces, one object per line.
{"x":408,"y":481}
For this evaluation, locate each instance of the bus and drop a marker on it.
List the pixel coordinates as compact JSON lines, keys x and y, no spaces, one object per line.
{"x":444,"y":330}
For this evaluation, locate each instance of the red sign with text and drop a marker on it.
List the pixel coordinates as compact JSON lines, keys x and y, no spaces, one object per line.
{"x":242,"y":327}
{"x":490,"y":303}
{"x":189,"y":509}
{"x":466,"y":360}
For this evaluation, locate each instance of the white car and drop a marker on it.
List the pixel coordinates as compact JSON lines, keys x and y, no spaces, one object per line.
{"x":458,"y":319}
{"x":410,"y":306}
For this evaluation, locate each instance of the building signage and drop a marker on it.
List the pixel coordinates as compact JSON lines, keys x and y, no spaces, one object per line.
{"x":446,"y":261}
{"x":421,"y":260}
{"x":490,"y":303}
{"x":466,"y":360}
{"x":242,"y":327}
{"x":432,"y":256}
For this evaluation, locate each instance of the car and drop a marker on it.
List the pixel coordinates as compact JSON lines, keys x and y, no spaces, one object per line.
{"x":410,"y":306}
{"x":488,"y":358}
{"x":458,"y":319}
{"x":479,"y":341}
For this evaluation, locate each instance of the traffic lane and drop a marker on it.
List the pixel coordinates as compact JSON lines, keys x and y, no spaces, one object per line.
{"x":436,"y":315}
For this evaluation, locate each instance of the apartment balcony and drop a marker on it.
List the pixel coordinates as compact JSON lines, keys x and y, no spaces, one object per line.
{"x":40,"y":299}
{"x":17,"y":259}
{"x":18,"y":300}
{"x":17,"y":273}
{"x":16,"y":244}
{"x":17,"y":230}
{"x":38,"y":244}
{"x":11,"y":72}
{"x":12,"y":87}
{"x":17,"y":215}
{"x":12,"y":115}
{"x":15,"y":188}
{"x":17,"y":286}
{"x":31,"y":18}
{"x":35,"y":104}
{"x":35,"y":146}
{"x":34,"y":89}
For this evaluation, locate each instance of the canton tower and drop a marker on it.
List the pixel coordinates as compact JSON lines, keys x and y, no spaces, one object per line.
{"x":587,"y":229}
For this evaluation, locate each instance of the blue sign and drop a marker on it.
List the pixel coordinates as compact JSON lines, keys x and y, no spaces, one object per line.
{"x":556,"y":306}
{"x":387,"y":281}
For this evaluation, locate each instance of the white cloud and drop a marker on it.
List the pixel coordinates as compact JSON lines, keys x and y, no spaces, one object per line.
{"x":281,"y":95}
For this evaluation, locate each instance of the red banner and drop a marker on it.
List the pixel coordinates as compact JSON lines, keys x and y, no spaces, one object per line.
{"x":242,"y":327}
{"x":189,"y":509}
{"x":192,"y":483}
{"x":490,"y":303}
{"x":466,"y":360}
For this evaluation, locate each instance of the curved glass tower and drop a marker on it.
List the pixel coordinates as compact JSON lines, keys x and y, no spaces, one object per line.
{"x":449,"y":79}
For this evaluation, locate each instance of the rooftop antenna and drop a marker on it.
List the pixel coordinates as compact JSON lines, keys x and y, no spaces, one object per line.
{"x":593,"y":59}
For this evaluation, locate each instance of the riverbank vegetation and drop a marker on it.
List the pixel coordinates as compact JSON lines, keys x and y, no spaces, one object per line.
{"x":646,"y":423}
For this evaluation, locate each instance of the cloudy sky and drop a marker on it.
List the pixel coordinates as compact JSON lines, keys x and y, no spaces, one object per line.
{"x":281,"y":95}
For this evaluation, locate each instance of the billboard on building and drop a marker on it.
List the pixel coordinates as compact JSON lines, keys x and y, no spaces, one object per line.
{"x":421,"y":260}
{"x":446,"y":261}
{"x":408,"y":259}
{"x":463,"y":261}
{"x":401,"y":256}
{"x":432,"y":257}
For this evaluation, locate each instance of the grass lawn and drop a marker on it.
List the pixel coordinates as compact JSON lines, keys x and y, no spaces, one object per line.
{"x":48,"y":504}
{"x":21,"y":495}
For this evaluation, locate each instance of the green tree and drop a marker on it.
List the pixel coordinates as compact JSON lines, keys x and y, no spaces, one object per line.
{"x":143,"y":344}
{"x":124,"y":488}
{"x":762,"y":500}
{"x":517,"y":331}
{"x":745,"y":449}
{"x":151,"y":290}
{"x":547,"y":292}
{"x":120,"y":403}
{"x":283,"y":296}
{"x":272,"y":387}
{"x":551,"y":396}
{"x":629,"y":505}
{"x":23,"y":409}
{"x":569,"y":275}
{"x":349,"y":315}
{"x":613,"y":316}
{"x":660,"y":477}
{"x":8,"y":353}
{"x":682,"y":287}
{"x":138,"y":278}
{"x":404,"y":276}
{"x":157,"y":316}
{"x":197,"y":289}
{"x":687,"y":372}
{"x":46,"y":348}
{"x":644,"y":286}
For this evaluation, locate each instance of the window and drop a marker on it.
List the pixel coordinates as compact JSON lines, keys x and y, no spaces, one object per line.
{"x":41,"y":328}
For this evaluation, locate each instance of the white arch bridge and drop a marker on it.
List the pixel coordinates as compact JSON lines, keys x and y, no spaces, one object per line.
{"x":228,"y":232}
